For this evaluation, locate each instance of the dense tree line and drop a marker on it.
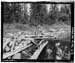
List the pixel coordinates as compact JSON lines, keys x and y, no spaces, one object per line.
{"x":12,"y":12}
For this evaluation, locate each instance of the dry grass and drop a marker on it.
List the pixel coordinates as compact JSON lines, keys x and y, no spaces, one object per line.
{"x":14,"y":28}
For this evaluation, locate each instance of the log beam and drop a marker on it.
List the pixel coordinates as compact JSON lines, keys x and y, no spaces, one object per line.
{"x":6,"y":55}
{"x":37,"y":53}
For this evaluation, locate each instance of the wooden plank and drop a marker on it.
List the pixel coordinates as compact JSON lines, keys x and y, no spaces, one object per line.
{"x":15,"y":51}
{"x":37,"y":53}
{"x":41,"y":42}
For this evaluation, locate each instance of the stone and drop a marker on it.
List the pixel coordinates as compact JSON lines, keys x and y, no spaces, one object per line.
{"x":7,"y":48}
{"x":17,"y":56}
{"x":58,"y":58}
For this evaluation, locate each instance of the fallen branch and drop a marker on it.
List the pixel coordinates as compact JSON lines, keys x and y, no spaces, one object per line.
{"x":41,"y":42}
{"x":37,"y":53}
{"x":15,"y":51}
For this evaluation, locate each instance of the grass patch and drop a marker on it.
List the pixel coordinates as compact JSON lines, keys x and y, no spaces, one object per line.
{"x":16,"y":27}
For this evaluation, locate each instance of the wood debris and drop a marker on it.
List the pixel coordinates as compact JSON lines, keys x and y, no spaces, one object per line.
{"x":22,"y":41}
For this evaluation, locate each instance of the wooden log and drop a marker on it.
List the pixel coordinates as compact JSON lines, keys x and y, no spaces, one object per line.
{"x":15,"y":51}
{"x":41,"y":42}
{"x":37,"y":53}
{"x":13,"y":44}
{"x":31,"y":39}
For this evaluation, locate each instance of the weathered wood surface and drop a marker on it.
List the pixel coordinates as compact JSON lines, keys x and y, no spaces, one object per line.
{"x":15,"y":51}
{"x":37,"y":53}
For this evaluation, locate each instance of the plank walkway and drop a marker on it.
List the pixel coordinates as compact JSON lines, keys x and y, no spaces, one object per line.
{"x":37,"y":53}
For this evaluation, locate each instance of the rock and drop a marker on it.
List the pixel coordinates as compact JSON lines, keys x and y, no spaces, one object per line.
{"x":58,"y":58}
{"x":49,"y":51}
{"x":17,"y":56}
{"x":9,"y":57}
{"x":57,"y":44}
{"x":7,"y":48}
